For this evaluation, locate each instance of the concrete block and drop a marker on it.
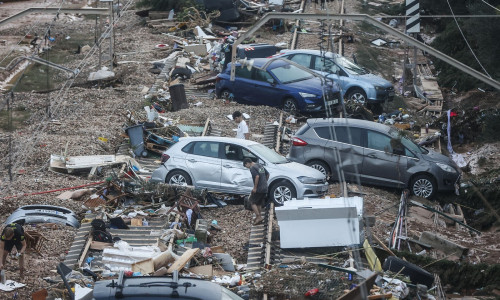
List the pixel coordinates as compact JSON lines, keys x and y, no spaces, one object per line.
{"x":442,"y":244}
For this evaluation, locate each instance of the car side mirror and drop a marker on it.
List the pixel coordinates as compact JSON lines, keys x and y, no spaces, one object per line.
{"x":261,"y":162}
{"x":271,"y":81}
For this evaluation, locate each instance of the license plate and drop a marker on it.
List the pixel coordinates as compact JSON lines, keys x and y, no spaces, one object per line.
{"x":332,"y":102}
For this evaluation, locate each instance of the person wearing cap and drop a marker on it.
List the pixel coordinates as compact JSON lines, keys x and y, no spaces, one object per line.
{"x":12,"y":235}
{"x":242,"y":132}
{"x":260,"y":176}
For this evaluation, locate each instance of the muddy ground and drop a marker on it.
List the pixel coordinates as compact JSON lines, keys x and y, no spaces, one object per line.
{"x":79,"y":115}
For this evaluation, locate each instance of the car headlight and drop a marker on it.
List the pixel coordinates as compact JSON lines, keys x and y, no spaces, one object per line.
{"x":379,"y":88}
{"x":307,"y":180}
{"x":307,"y":95}
{"x":446,"y":168}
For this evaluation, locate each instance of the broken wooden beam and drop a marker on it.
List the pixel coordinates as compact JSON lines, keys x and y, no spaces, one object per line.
{"x":412,"y":202}
{"x":182,"y":261}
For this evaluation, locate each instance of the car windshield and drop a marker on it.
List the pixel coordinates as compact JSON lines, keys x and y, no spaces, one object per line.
{"x":349,"y":66}
{"x":267,"y":154}
{"x":290,"y":73}
{"x":408,"y":143}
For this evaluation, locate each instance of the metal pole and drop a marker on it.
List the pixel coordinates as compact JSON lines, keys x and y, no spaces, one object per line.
{"x":98,"y":38}
{"x":9,"y":128}
{"x":414,"y":62}
{"x":111,"y":34}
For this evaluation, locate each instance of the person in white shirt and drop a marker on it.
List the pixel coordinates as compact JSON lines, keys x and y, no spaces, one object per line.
{"x":242,"y":132}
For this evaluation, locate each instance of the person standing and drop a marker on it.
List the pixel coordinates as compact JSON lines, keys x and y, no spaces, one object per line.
{"x":260,"y":176}
{"x":242,"y":132}
{"x":12,"y":235}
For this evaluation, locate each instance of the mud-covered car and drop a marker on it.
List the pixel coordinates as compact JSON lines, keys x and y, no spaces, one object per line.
{"x":164,"y":288}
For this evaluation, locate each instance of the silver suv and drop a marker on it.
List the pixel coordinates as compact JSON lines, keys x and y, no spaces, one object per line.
{"x":216,"y":163}
{"x":378,"y":154}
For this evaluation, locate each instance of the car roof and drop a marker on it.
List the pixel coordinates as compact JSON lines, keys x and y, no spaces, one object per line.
{"x":309,"y":51}
{"x":220,"y":139}
{"x":260,"y":62}
{"x":349,"y":122}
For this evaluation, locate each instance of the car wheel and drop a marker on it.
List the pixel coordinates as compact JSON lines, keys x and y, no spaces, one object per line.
{"x":282,"y":191}
{"x":320,"y":166}
{"x":226,"y":95}
{"x":290,"y":105}
{"x":178,"y":177}
{"x":357,"y":95}
{"x":423,"y":186}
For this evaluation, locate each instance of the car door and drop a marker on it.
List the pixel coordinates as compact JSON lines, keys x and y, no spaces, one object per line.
{"x":235,"y":178}
{"x":328,"y":67}
{"x":345,"y":151}
{"x":204,"y":163}
{"x":244,"y":86}
{"x":381,"y":164}
{"x":264,"y":89}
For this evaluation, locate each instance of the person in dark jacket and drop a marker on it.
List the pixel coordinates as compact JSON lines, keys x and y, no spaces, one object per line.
{"x":12,"y":235}
{"x":258,"y":196}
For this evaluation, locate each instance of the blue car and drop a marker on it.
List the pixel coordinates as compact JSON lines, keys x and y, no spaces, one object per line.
{"x":280,"y":83}
{"x":357,"y":84}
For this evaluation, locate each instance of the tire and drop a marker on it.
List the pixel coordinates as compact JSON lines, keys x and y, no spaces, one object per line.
{"x":417,"y":275}
{"x":183,"y":73}
{"x":320,"y":166}
{"x":282,"y":191}
{"x":290,"y":106}
{"x":178,"y":177}
{"x":226,"y":95}
{"x":423,"y":186}
{"x":357,"y":95}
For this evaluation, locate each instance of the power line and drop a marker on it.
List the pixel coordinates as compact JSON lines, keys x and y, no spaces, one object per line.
{"x":463,"y":36}
{"x":490,"y":5}
{"x":26,"y":151}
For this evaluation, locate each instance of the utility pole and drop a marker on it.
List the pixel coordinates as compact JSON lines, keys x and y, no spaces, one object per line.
{"x":110,"y":34}
{"x":9,"y":129}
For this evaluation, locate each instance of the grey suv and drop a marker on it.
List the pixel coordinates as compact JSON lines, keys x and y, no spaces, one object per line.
{"x":378,"y":154}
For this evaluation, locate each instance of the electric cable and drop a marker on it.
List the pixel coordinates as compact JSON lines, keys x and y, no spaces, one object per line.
{"x":26,"y":151}
{"x":463,"y":36}
{"x":490,"y":5}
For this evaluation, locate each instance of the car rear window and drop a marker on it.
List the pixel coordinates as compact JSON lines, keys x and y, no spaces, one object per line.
{"x":348,"y":135}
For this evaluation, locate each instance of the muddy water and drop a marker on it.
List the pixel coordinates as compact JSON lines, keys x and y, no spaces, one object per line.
{"x":62,"y":51}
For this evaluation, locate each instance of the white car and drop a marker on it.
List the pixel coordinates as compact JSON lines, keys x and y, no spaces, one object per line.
{"x":216,"y":163}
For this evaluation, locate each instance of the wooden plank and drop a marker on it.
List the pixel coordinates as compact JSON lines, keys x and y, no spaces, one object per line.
{"x":94,"y":245}
{"x":206,"y":127}
{"x":136,"y":222}
{"x":85,"y":250}
{"x":206,"y":270}
{"x":145,"y":266}
{"x":182,"y":261}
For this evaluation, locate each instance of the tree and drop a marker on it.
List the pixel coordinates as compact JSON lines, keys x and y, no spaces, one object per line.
{"x":481,"y":36}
